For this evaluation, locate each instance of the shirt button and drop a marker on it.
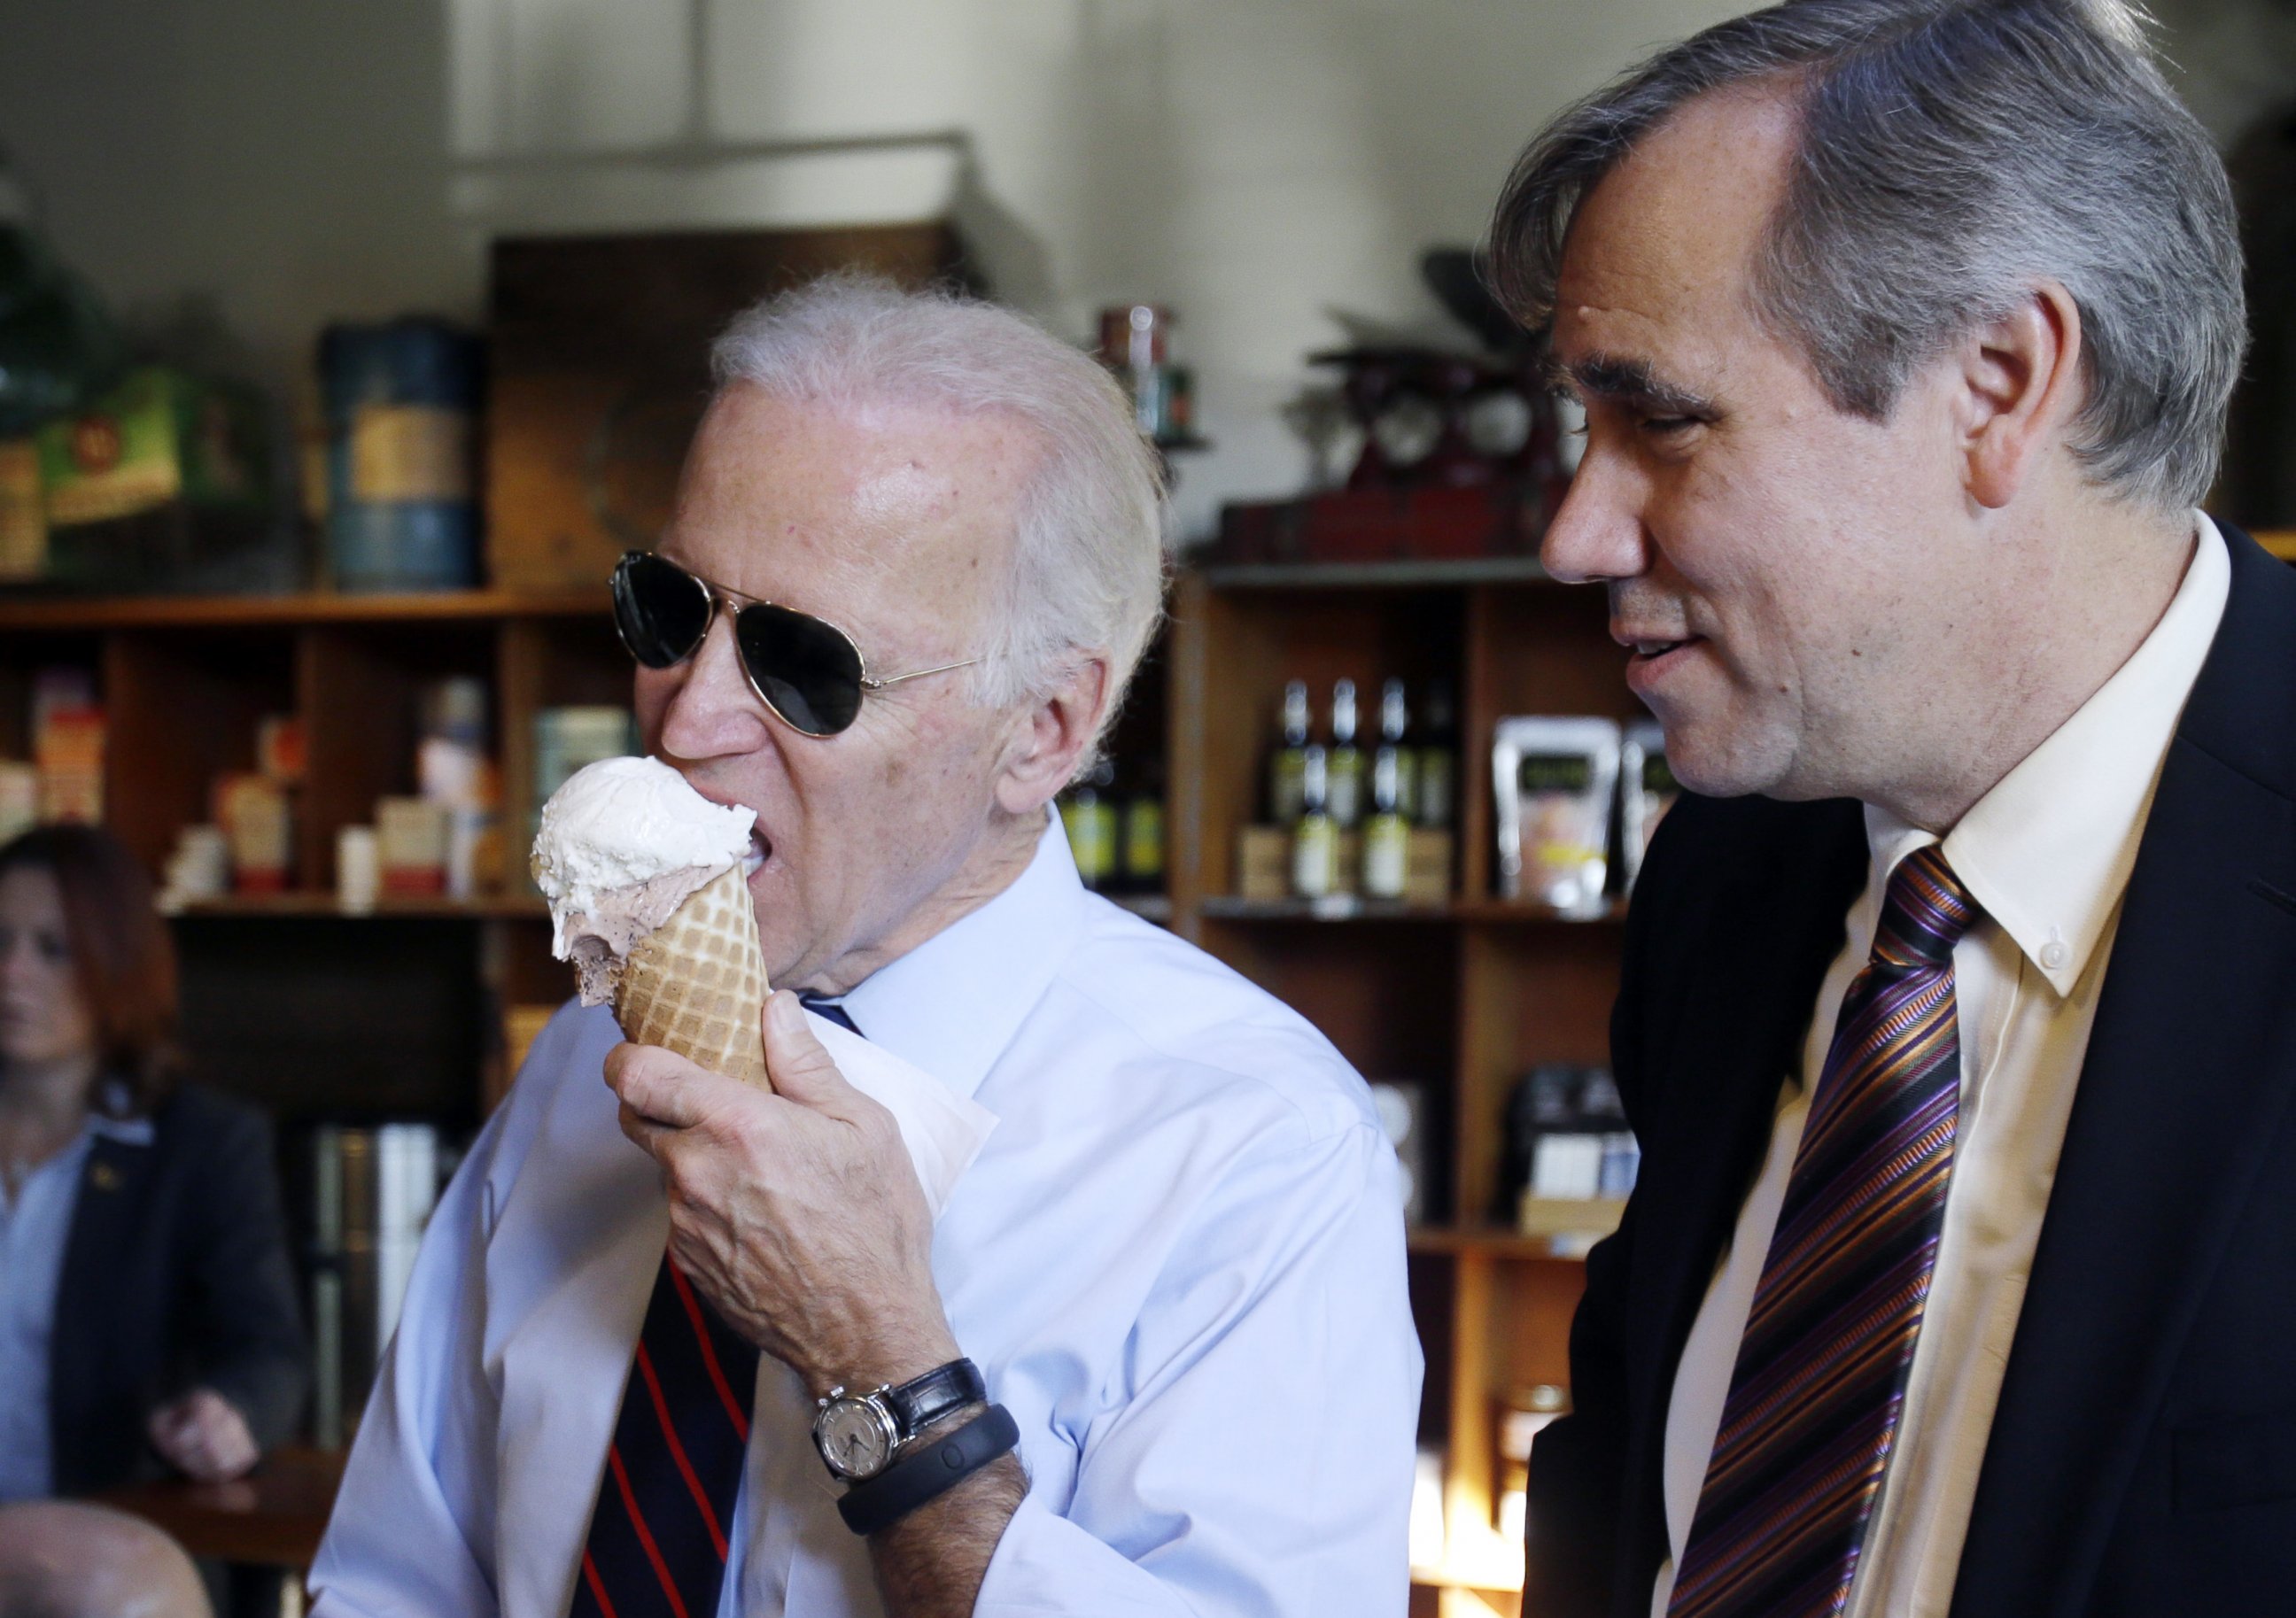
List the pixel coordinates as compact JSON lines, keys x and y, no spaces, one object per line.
{"x":2054,"y":954}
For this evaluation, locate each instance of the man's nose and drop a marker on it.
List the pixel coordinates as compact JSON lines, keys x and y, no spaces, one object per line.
{"x":1597,"y":533}
{"x":713,"y":713}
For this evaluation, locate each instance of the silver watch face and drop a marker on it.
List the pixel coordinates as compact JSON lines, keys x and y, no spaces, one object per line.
{"x":856,"y":1437}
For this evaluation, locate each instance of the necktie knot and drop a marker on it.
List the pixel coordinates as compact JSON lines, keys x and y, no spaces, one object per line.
{"x":830,"y":1008}
{"x":1924,"y":912}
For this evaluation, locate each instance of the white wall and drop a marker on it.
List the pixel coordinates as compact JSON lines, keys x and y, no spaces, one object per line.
{"x":250,"y":168}
{"x":1254,"y":163}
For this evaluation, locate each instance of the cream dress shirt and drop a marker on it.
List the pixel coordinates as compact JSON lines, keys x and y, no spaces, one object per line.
{"x":2047,"y":852}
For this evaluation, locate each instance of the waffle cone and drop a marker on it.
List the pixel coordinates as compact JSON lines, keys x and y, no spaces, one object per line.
{"x":697,"y":983}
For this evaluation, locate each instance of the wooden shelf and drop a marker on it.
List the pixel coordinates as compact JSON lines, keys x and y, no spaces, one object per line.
{"x":2280,"y":542}
{"x":1490,"y":1241}
{"x":1351,"y":907}
{"x":325,"y":906}
{"x":65,"y":613}
{"x":1459,"y":999}
{"x":1376,"y":576}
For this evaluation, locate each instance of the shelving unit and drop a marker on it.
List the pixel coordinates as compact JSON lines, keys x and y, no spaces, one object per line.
{"x":1461,"y":997}
{"x":291,"y":1002}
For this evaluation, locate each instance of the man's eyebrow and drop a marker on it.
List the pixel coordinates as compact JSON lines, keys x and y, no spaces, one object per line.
{"x":1632,"y":382}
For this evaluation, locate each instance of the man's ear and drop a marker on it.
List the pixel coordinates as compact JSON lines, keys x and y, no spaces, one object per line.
{"x":1050,"y":739}
{"x":2020,"y":384}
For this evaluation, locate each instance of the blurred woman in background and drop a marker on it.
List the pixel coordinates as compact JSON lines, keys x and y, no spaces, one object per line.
{"x":147,"y":1310}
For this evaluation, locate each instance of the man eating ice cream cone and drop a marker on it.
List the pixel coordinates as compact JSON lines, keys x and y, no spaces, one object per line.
{"x":1052,"y":1268}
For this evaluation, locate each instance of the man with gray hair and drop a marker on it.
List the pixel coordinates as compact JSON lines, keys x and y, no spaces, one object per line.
{"x":731,"y":1363}
{"x":1953,"y":1011}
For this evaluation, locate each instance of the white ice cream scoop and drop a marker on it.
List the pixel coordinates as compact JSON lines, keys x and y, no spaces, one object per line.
{"x":622,"y":845}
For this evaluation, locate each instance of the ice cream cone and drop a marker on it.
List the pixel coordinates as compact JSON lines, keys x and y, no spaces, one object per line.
{"x":696,"y":984}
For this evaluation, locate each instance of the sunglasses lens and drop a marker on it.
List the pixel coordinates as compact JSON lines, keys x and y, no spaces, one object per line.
{"x":810,"y":673}
{"x":661,"y":610}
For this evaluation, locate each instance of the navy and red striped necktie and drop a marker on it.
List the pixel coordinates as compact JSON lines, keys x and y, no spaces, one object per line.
{"x":1811,"y":1418}
{"x":664,"y":1516}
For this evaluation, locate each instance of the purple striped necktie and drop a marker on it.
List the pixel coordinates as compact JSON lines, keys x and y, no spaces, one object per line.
{"x":1820,"y":1381}
{"x":664,"y":1516}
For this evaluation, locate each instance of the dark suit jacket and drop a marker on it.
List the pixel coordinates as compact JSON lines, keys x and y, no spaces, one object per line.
{"x":175,"y":1276}
{"x":2142,"y":1460}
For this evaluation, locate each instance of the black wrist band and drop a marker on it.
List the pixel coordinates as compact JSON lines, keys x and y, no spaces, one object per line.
{"x":936,"y":1466}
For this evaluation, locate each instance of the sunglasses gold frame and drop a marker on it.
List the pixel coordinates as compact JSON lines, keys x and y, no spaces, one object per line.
{"x":725,"y":598}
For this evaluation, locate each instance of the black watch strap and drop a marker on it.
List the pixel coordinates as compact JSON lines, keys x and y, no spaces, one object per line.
{"x":922,"y":1401}
{"x":927,"y":1470}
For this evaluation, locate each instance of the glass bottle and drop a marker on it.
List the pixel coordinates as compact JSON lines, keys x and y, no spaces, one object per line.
{"x":1387,"y":834}
{"x":1438,"y":760}
{"x":1089,"y":815}
{"x":1315,"y":838}
{"x":1143,"y":843}
{"x":1284,"y":770}
{"x":1345,"y":766}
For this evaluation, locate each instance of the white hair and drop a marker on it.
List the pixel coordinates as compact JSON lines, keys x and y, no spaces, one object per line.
{"x":1088,"y":544}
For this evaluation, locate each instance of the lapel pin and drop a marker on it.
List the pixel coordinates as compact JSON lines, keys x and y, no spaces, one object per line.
{"x":104,"y":1177}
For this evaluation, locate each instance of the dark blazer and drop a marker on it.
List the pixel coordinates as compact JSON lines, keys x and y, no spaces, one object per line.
{"x":2142,"y":1460}
{"x":175,"y":1276}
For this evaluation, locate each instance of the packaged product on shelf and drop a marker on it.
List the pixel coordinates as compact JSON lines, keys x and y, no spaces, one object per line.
{"x":1134,"y":341}
{"x":198,"y":868}
{"x":411,"y":834}
{"x":569,"y":738}
{"x":1315,"y":838}
{"x":68,"y":743}
{"x":1646,"y":791}
{"x":23,"y":513}
{"x":1395,"y":737}
{"x":452,"y":770}
{"x":1436,"y":770}
{"x":1427,"y":866}
{"x":1343,"y":764}
{"x":1387,"y":835}
{"x":163,"y":483}
{"x":1088,"y":815}
{"x":1554,"y":779}
{"x":1400,"y":1107}
{"x":279,"y":753}
{"x":256,"y":818}
{"x":358,"y":869}
{"x":1263,"y":863}
{"x":401,"y":403}
{"x":20,"y":797}
{"x":372,"y":1191}
{"x":1287,"y":768}
{"x":1549,"y":1104}
{"x":1141,"y":843}
{"x":450,"y":763}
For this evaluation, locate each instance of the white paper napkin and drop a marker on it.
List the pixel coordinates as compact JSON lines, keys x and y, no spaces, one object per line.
{"x":943,"y":1130}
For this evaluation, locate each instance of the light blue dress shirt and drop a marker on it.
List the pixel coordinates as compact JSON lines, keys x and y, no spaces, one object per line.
{"x":1178,"y":1260}
{"x":35,"y":1230}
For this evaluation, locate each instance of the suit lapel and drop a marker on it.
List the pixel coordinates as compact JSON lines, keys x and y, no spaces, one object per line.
{"x":107,"y":1218}
{"x":2186,"y":1079}
{"x":1760,"y":958}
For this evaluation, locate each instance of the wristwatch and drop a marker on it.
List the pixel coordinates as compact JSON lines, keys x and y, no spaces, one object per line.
{"x":858,"y":1435}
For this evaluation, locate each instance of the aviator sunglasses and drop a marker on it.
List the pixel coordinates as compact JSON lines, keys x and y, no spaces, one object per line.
{"x":808,"y":672}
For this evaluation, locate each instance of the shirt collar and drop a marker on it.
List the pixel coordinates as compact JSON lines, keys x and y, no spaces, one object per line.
{"x":2049,"y":849}
{"x":114,"y":1121}
{"x":953,"y":1003}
